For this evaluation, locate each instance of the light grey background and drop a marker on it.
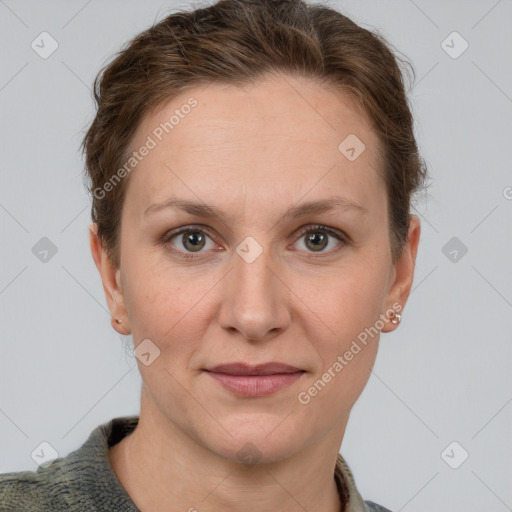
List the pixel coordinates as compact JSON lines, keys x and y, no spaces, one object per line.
{"x":445,"y":375}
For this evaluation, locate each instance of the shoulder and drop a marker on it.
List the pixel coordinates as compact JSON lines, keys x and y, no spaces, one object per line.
{"x":374,"y":507}
{"x":40,"y":490}
{"x":82,"y":481}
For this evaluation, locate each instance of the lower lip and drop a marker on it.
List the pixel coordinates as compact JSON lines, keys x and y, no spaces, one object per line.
{"x":255,"y":385}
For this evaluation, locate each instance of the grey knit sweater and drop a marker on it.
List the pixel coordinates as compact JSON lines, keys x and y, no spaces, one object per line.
{"x":85,"y":481}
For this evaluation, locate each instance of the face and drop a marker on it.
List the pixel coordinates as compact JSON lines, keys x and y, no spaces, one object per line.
{"x":273,"y":247}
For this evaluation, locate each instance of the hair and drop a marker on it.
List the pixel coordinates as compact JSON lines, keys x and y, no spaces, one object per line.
{"x":236,"y":42}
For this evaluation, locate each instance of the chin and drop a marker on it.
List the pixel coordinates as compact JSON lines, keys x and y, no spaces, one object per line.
{"x":258,"y":438}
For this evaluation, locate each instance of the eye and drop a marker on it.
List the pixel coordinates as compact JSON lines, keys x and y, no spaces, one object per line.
{"x":317,"y":238}
{"x":189,"y":239}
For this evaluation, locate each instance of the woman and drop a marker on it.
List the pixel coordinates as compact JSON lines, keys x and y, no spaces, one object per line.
{"x":251,"y":167}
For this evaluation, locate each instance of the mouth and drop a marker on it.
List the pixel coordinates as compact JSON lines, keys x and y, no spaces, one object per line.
{"x":253,"y":381}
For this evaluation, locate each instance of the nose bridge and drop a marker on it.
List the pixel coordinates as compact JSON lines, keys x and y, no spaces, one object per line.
{"x":253,"y":269}
{"x":255,"y":300}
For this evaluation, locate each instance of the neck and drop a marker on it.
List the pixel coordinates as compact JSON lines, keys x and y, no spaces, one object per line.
{"x":162,"y":468}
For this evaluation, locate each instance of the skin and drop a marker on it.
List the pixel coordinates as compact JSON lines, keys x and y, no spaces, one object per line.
{"x":253,"y":153}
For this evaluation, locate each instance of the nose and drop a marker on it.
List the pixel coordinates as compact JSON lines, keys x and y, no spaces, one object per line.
{"x":255,"y":298}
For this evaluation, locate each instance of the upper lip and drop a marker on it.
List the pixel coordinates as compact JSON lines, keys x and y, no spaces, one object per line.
{"x":247,"y":369}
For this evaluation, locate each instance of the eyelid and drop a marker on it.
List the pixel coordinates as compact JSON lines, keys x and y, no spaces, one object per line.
{"x":183,"y":229}
{"x":321,"y":227}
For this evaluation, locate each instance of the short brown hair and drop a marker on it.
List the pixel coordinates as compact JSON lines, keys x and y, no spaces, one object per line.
{"x":236,"y":41}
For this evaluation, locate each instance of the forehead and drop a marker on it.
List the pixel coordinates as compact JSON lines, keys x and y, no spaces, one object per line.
{"x":276,"y":138}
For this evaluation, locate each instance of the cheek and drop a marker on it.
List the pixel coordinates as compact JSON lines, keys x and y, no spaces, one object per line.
{"x":166,"y":306}
{"x":344,"y":326}
{"x":343,"y":303}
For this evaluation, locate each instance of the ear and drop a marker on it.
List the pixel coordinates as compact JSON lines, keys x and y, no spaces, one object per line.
{"x":111,"y":279}
{"x":403,"y":272}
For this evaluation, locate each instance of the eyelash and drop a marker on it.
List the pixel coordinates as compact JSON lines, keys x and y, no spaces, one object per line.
{"x":317,"y":228}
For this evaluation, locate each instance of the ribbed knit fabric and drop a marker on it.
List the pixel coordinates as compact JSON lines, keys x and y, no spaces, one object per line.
{"x":84,"y":480}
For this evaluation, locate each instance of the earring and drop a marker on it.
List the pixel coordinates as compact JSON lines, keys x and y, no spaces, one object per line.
{"x":118,"y":321}
{"x":396,"y":319}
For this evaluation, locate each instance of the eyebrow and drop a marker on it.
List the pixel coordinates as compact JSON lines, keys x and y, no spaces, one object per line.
{"x":210,"y":211}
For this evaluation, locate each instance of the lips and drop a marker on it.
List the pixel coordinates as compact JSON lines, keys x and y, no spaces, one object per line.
{"x":253,"y":381}
{"x":261,"y":369}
